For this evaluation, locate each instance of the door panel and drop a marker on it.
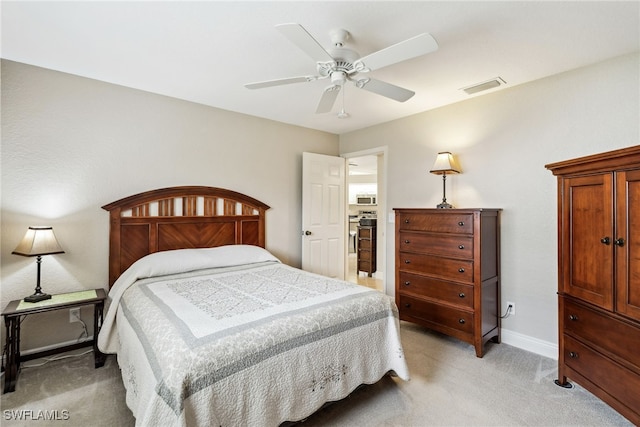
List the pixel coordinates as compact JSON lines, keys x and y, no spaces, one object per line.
{"x":323,"y":214}
{"x":628,"y":252}
{"x":588,"y":239}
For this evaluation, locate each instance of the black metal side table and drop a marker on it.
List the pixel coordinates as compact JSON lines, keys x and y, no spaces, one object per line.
{"x":16,"y":310}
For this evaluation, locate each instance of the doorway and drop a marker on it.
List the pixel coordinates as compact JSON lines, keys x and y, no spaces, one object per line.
{"x":366,"y":257}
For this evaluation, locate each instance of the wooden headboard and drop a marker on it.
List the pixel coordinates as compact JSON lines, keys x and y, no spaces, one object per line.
{"x":180,"y":218}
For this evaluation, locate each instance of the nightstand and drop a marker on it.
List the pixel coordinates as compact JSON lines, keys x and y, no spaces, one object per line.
{"x":15,"y":312}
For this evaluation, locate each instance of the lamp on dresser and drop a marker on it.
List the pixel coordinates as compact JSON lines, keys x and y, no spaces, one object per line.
{"x":38,"y":241}
{"x":445,"y":164}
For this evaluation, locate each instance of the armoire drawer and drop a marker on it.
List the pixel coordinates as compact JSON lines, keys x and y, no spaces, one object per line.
{"x":452,"y":293}
{"x":609,"y":376}
{"x":437,"y":222}
{"x":616,"y":336}
{"x":439,"y":244}
{"x":433,"y":266}
{"x":449,"y":317}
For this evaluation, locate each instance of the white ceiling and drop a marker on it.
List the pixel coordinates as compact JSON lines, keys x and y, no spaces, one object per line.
{"x":206,"y":51}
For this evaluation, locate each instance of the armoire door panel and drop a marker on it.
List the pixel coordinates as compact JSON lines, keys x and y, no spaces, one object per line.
{"x":588,"y":238}
{"x":627,"y":244}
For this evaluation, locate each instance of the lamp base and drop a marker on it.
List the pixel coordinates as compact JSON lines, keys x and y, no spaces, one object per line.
{"x":38,"y":296}
{"x":444,"y":206}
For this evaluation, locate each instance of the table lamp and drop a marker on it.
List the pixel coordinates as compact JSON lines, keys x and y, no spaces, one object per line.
{"x":445,"y":164}
{"x":36,"y":242}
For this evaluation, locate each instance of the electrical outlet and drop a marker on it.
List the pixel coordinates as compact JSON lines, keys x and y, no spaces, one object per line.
{"x":74,"y":315}
{"x":512,"y":311}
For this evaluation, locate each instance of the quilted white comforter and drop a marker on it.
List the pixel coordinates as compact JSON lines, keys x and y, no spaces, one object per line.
{"x":230,"y":336}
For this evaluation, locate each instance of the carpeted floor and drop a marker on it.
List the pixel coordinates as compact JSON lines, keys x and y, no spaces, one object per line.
{"x":449,"y":386}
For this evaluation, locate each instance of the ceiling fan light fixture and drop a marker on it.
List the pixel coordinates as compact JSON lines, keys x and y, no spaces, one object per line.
{"x":479,"y":87}
{"x":343,"y":115}
{"x":338,"y":77}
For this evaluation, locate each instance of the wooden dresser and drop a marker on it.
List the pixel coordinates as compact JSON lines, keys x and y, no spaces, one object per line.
{"x":448,"y":271}
{"x":367,"y":253}
{"x":599,"y":276}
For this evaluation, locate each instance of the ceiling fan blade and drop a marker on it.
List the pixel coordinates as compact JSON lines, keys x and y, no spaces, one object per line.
{"x":301,"y":38}
{"x":328,"y":99}
{"x":411,"y":48}
{"x":385,"y":89}
{"x":279,"y":82}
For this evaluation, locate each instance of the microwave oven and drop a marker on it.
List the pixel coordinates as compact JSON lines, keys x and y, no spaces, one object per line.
{"x":366,"y":199}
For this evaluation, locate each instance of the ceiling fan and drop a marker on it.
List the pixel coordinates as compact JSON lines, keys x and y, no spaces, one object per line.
{"x":340,"y":64}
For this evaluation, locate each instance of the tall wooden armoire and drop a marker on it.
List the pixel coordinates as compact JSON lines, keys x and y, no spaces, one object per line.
{"x":599,"y":276}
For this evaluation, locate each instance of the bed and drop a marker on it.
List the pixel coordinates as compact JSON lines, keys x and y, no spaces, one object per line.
{"x":211,"y":329}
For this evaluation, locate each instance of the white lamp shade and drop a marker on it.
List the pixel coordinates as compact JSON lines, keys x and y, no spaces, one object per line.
{"x":445,"y":164}
{"x":38,"y":241}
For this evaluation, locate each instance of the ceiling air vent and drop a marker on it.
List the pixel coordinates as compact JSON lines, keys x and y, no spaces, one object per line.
{"x":489,"y":84}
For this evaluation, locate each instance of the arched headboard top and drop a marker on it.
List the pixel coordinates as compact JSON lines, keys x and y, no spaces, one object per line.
{"x":181,"y":193}
{"x":180,"y":218}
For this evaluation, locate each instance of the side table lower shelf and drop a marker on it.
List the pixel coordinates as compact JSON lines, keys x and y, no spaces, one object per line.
{"x":18,"y":309}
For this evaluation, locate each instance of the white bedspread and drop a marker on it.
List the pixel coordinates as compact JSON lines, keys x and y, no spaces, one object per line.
{"x":241,"y":339}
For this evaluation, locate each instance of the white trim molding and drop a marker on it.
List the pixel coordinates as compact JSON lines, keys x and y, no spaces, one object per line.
{"x":528,"y":343}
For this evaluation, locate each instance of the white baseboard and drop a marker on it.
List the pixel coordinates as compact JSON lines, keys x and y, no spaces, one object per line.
{"x":45,"y":348}
{"x":534,"y":345}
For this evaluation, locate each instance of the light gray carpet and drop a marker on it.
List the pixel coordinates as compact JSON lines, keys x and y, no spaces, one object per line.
{"x":449,"y":387}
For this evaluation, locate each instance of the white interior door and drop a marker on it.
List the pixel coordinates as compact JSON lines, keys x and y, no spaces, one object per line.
{"x":323,"y":214}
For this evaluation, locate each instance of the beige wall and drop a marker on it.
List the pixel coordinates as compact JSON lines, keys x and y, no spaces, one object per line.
{"x":502,"y":141}
{"x":71,"y":145}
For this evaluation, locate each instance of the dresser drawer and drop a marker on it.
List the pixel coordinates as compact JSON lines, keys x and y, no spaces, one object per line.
{"x":366,"y":232}
{"x":615,"y":336}
{"x":366,"y":244}
{"x":437,"y":222}
{"x":609,"y":376}
{"x":439,"y":244}
{"x":448,"y":317}
{"x":433,"y":266}
{"x":452,"y":293}
{"x":364,"y":255}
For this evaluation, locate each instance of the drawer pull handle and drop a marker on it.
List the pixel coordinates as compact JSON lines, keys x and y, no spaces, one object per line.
{"x":573,"y":355}
{"x":461,"y":270}
{"x":407,"y":242}
{"x":461,"y":295}
{"x":605,"y":240}
{"x":407,"y":305}
{"x":461,"y":321}
{"x":407,"y":261}
{"x":407,"y":283}
{"x":461,"y":223}
{"x":573,"y":317}
{"x":406,"y":221}
{"x":460,"y":246}
{"x":619,"y":242}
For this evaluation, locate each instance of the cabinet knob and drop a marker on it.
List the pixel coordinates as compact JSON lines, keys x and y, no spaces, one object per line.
{"x":407,"y":283}
{"x":407,"y":242}
{"x":461,"y":321}
{"x":407,"y":305}
{"x":461,"y":295}
{"x":460,"y":223}
{"x":406,"y":221}
{"x":573,"y":317}
{"x":619,"y":242}
{"x":605,"y":240}
{"x":573,"y":355}
{"x":461,"y":270}
{"x":407,"y":261}
{"x":460,"y":246}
